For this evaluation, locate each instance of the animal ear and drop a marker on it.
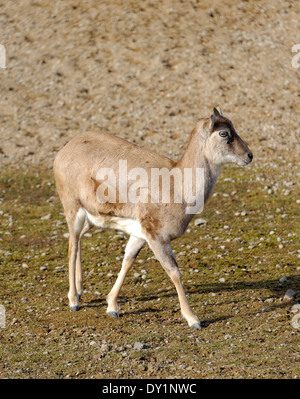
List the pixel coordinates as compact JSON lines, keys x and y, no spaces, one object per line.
{"x":218,"y":112}
{"x":212,"y":122}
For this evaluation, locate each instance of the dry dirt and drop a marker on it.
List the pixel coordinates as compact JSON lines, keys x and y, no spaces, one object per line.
{"x":146,"y":71}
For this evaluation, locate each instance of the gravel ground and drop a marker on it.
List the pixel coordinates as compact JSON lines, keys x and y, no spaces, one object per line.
{"x":146,"y":72}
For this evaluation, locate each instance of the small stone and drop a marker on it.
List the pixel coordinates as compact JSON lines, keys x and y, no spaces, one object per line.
{"x":289,"y":295}
{"x":283,"y":279}
{"x":138,"y":346}
{"x":296,"y":308}
{"x":199,"y":221}
{"x":222,"y":280}
{"x":46,"y":217}
{"x":105,"y":347}
{"x":118,"y":237}
{"x":43,"y":268}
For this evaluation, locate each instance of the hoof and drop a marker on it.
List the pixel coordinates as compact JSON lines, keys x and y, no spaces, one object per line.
{"x":196,"y":325}
{"x":74,"y":308}
{"x":115,"y":315}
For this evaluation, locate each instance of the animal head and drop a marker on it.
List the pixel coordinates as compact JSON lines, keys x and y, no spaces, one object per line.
{"x":223,"y":145}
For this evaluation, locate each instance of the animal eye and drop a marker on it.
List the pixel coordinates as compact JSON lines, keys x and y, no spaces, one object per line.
{"x":223,"y":133}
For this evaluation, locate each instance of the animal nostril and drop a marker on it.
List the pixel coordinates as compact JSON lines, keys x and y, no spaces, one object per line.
{"x":250,"y":155}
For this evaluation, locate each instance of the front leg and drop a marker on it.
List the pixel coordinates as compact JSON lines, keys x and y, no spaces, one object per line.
{"x":164,"y":254}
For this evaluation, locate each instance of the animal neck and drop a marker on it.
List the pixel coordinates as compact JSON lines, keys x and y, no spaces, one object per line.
{"x":194,"y":159}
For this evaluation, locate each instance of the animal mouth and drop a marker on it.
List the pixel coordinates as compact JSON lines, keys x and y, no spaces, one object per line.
{"x":245,"y":162}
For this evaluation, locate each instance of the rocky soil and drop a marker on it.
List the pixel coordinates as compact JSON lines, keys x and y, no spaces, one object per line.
{"x":146,"y":71}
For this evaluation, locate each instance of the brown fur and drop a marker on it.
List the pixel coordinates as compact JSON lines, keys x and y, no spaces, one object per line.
{"x":76,"y":167}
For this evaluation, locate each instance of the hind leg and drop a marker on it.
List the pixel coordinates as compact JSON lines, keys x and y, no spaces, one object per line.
{"x":78,"y":273}
{"x":76,"y":224}
{"x":73,"y":249}
{"x":132,"y":249}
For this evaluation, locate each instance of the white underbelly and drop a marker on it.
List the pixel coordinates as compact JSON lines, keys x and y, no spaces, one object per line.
{"x":127,"y":225}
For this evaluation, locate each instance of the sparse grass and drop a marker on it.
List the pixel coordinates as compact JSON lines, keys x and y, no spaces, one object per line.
{"x":247,"y":331}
